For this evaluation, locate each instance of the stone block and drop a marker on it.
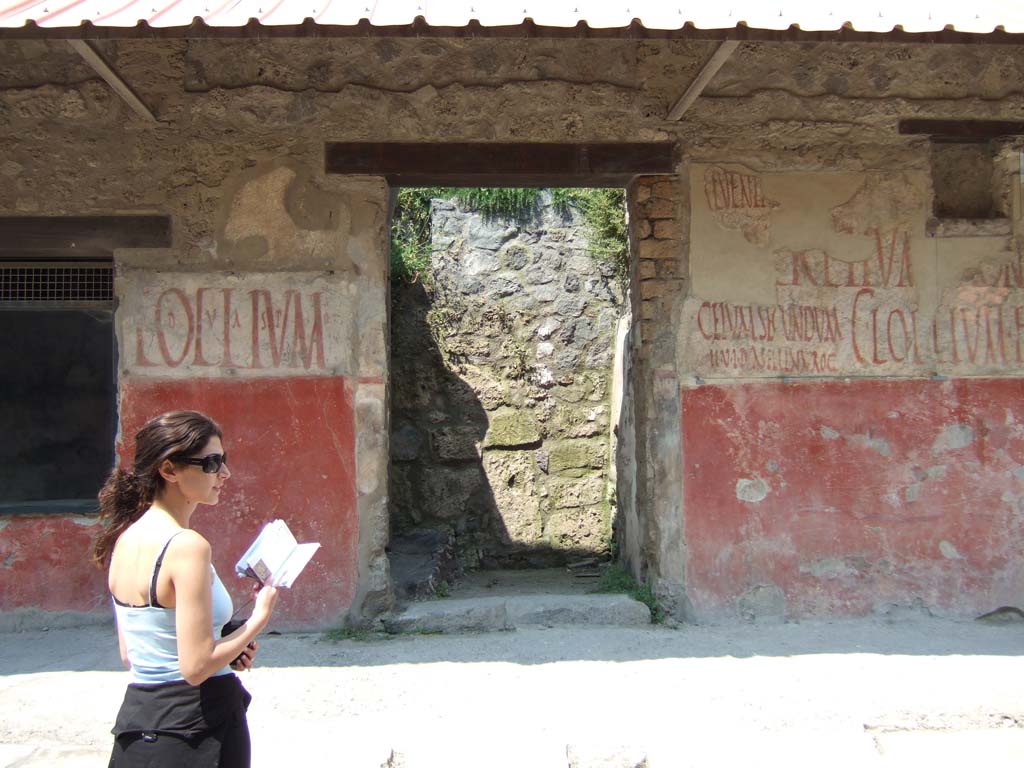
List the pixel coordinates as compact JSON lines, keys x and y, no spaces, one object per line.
{"x":517,"y":256}
{"x":480,"y":262}
{"x":650,"y":289}
{"x":570,"y":306}
{"x":406,"y":442}
{"x":659,"y":249}
{"x":445,"y":493}
{"x":667,"y":268}
{"x":512,"y":428}
{"x":512,"y":478}
{"x":665,"y":189}
{"x":646,"y":268}
{"x":548,"y":327}
{"x":456,"y":443}
{"x":488,"y":234}
{"x":644,"y":229}
{"x":660,"y":209}
{"x":668,"y":229}
{"x":578,"y":454}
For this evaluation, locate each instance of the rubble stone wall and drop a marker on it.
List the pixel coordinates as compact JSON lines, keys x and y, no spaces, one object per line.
{"x":501,"y":388}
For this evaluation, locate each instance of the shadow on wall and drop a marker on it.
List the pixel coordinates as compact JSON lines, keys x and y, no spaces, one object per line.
{"x":445,"y":514}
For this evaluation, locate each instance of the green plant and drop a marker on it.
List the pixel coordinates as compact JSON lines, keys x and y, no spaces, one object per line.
{"x":618,"y":579}
{"x":510,"y":202}
{"x":604,"y":214}
{"x":410,"y":233}
{"x":347,"y":633}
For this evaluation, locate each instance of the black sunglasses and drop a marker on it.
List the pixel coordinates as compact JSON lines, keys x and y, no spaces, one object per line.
{"x":210,"y":464}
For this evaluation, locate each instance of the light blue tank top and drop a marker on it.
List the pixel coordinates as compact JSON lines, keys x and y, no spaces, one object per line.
{"x":151,"y":637}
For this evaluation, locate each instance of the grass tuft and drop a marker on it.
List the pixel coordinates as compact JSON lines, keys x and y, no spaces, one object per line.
{"x":618,"y":580}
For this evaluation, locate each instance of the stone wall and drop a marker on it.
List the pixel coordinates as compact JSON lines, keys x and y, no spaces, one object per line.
{"x":501,"y":392}
{"x":234,"y":157}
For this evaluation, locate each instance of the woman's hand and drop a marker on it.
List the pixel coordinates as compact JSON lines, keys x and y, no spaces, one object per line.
{"x":246,"y":658}
{"x":266,"y":598}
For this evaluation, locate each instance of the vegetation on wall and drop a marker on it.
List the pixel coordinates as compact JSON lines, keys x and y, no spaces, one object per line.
{"x":603,"y":210}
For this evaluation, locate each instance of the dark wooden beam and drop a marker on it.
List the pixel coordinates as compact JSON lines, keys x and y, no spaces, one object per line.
{"x":962,"y":130}
{"x":88,"y":233}
{"x":501,"y":164}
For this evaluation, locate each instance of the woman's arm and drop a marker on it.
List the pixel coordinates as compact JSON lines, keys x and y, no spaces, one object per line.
{"x":199,"y":654}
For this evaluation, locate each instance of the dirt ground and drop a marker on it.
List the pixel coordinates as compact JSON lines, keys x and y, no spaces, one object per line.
{"x":866,"y":692}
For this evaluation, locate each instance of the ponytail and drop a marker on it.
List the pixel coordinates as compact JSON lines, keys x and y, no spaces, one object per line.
{"x":123,"y":499}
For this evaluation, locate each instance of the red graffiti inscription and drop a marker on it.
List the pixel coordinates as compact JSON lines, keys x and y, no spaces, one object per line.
{"x":185,"y":325}
{"x":726,"y":190}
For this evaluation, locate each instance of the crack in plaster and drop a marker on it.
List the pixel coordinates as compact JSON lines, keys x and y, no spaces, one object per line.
{"x":410,"y":91}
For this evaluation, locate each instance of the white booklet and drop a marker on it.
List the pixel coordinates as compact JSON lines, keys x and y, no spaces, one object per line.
{"x":275,"y":557}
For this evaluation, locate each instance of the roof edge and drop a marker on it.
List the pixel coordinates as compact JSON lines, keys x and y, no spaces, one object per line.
{"x":253,"y":29}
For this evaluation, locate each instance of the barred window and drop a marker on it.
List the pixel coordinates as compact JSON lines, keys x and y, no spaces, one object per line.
{"x":58,"y":399}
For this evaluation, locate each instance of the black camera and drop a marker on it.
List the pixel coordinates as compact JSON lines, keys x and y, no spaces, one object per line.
{"x":230,"y":627}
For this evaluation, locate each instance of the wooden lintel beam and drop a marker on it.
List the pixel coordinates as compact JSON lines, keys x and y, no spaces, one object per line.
{"x":718,"y":58}
{"x":502,"y":164}
{"x":962,"y":130}
{"x":83,"y":234}
{"x":119,"y":86}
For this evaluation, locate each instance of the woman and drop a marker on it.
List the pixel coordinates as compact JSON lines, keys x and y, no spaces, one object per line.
{"x":184,"y":706}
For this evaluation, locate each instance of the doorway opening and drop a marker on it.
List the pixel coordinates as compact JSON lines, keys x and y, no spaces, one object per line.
{"x":506,"y":306}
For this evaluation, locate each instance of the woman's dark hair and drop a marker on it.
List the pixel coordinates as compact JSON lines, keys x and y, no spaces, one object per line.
{"x":128,"y":493}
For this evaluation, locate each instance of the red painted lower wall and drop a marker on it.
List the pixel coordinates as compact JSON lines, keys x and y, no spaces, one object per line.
{"x":852,"y":497}
{"x":291,"y":443}
{"x":292,"y":447}
{"x":45,"y":564}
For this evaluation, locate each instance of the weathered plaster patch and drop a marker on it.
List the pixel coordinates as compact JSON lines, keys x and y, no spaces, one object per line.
{"x":953,"y":437}
{"x":761,"y":602}
{"x":874,"y":443}
{"x":1019,"y":473}
{"x":937,"y":472}
{"x":752,"y":489}
{"x":830,"y":568}
{"x":949,"y":551}
{"x":829,"y":434}
{"x":86,"y":522}
{"x":912,"y":492}
{"x":882,"y":202}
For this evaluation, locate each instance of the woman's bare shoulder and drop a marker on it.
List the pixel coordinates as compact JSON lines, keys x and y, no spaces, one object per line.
{"x":191,"y":543}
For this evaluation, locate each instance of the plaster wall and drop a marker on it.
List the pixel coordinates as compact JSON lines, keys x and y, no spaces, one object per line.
{"x":851,"y":416}
{"x":234,"y":158}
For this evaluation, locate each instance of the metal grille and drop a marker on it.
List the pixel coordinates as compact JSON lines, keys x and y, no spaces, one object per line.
{"x":56,"y":283}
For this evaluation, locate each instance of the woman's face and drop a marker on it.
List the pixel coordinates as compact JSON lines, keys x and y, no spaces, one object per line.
{"x":198,"y":486}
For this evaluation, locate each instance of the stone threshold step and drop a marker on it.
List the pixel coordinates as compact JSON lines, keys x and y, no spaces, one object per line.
{"x":492,"y":614}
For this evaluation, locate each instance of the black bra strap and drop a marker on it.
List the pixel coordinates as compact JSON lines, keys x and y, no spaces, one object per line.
{"x":156,"y":572}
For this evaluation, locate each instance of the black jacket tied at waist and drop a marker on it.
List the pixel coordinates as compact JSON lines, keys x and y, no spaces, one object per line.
{"x":184,"y":712}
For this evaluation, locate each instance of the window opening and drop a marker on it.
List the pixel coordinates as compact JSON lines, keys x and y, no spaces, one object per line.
{"x":56,"y":319}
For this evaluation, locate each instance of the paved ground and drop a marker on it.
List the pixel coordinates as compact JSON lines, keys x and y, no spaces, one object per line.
{"x":859,"y":693}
